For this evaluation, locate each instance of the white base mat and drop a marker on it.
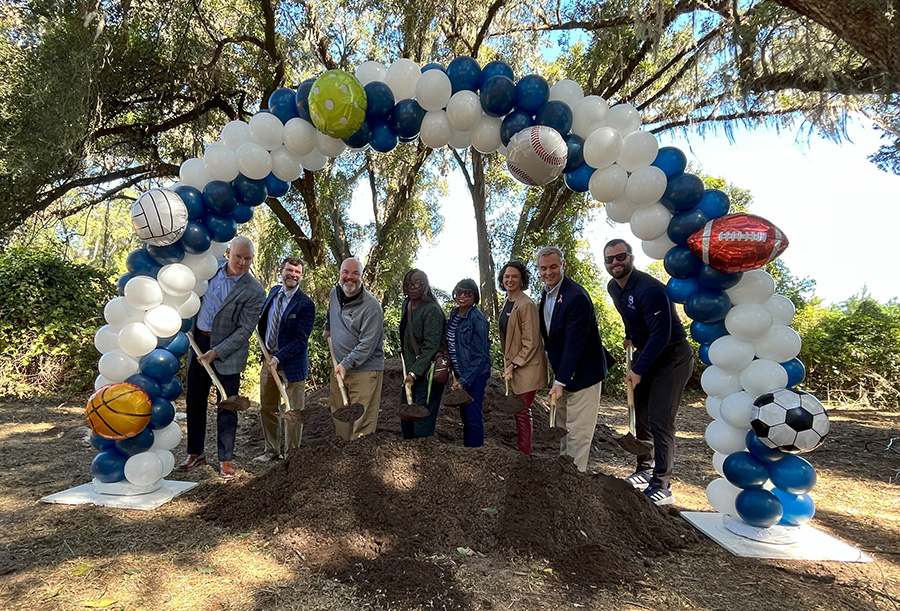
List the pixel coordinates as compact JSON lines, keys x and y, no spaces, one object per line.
{"x":811,"y":544}
{"x":85,"y":493}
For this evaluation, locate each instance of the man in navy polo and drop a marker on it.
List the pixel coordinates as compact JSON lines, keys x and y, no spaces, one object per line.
{"x":659,"y":373}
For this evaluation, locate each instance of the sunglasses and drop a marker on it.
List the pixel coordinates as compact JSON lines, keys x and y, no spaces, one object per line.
{"x":619,"y":257}
{"x":463,"y":293}
{"x":415,"y":284}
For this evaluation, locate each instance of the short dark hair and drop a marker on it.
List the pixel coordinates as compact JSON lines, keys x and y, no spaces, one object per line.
{"x":616,"y":242}
{"x":295,"y":261}
{"x":518,"y":265}
{"x":467,"y":284}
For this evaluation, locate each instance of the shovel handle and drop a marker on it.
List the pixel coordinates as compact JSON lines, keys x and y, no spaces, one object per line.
{"x":340,"y":378}
{"x":506,"y":381}
{"x":274,"y":372}
{"x":407,"y":387}
{"x":552,"y":411}
{"x":629,"y":388}
{"x":207,"y":367}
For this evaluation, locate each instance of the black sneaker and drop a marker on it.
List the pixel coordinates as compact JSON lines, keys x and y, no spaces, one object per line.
{"x":659,"y":496}
{"x":639,"y":479}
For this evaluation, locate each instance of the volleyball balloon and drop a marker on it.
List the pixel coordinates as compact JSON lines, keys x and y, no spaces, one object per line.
{"x":159,"y":217}
{"x":337,"y":104}
{"x":118,"y":411}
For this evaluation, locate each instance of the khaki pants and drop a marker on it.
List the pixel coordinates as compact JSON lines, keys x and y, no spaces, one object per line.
{"x":577,"y":411}
{"x":272,"y":425}
{"x":363,"y":387}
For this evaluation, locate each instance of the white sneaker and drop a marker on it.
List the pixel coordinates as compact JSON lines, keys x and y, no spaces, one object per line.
{"x":639,"y":479}
{"x":659,"y":496}
{"x":267,"y":457}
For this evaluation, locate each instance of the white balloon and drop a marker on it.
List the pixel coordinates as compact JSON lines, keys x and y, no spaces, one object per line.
{"x":589,"y":114}
{"x":328,"y":146}
{"x":143,"y":292}
{"x":116,"y":366}
{"x":748,"y":321}
{"x":136,"y":339}
{"x":763,"y":375}
{"x":370,"y":71}
{"x":203,"y":265}
{"x":118,"y":312}
{"x":624,"y":117}
{"x":106,"y":339}
{"x":285,"y":165}
{"x":782,"y":310}
{"x":722,"y":496}
{"x":657,"y":249}
{"x":266,"y":130}
{"x":186,"y":305}
{"x":464,"y":110}
{"x":567,"y":91}
{"x":718,"y":382}
{"x":650,"y":222}
{"x":217,"y":249}
{"x":755,"y":286}
{"x":163,"y":320}
{"x":143,"y":469}
{"x":718,"y":461}
{"x":220,"y":162}
{"x":608,"y":184}
{"x":620,"y":210}
{"x":433,"y":90}
{"x":314,"y":160}
{"x":167,"y":438}
{"x":780,"y":344}
{"x":602,"y":147}
{"x":100,"y":382}
{"x":729,"y":352}
{"x":724,"y":438}
{"x":201,"y":287}
{"x":402,"y":77}
{"x":193,"y":174}
{"x":254,"y":160}
{"x":486,"y":134}
{"x":460,"y":139}
{"x":646,"y":185}
{"x":300,"y":136}
{"x":436,"y":129}
{"x":167,"y":459}
{"x":638,"y":149}
{"x":235,"y":133}
{"x":713,"y":407}
{"x":176,"y":279}
{"x":736,"y":409}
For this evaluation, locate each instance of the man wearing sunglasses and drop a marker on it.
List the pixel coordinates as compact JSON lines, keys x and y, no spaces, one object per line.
{"x":660,"y":372}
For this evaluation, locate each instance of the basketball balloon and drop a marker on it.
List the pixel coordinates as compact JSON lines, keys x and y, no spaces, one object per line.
{"x":118,"y":411}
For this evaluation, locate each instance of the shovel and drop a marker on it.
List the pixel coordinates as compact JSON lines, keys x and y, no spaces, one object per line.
{"x":348,"y":413}
{"x":235,"y":403}
{"x":284,"y":410}
{"x":456,"y":396}
{"x":411,"y":411}
{"x":628,"y":441}
{"x":556,"y":432}
{"x":510,"y":404}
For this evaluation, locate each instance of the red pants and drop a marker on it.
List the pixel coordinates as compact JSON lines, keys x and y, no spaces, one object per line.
{"x":523,"y":424}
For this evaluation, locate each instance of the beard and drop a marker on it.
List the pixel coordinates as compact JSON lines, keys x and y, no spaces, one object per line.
{"x":622,"y":272}
{"x":350,"y":288}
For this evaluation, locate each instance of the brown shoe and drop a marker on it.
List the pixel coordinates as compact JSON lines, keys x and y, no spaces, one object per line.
{"x":191,"y":462}
{"x":226,"y":471}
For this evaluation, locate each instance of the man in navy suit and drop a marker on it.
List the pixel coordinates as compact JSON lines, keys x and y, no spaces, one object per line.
{"x":572,"y":341}
{"x":287,"y":320}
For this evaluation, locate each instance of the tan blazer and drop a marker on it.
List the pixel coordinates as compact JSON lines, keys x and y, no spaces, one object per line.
{"x":524,"y":347}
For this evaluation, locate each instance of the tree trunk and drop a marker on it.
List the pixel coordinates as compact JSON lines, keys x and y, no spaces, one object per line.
{"x":486,"y":270}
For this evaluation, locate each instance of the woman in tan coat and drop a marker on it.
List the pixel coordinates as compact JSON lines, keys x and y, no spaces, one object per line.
{"x":524,"y":359}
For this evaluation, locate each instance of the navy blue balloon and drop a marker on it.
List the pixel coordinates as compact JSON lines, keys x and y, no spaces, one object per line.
{"x":137,"y":444}
{"x":242,"y":214}
{"x":196,"y":239}
{"x":683,"y":192}
{"x":379,"y":102}
{"x":798,"y":508}
{"x":574,"y":152}
{"x":101,"y":444}
{"x":714,"y":203}
{"x":109,"y":466}
{"x":684,"y":224}
{"x":407,"y":139}
{"x":681,"y":263}
{"x":760,"y":450}
{"x":707,"y":306}
{"x":745,"y":471}
{"x":283,"y":104}
{"x":703,"y":353}
{"x":186,"y":324}
{"x":220,"y":228}
{"x":140,"y":263}
{"x":248,"y":191}
{"x":361,"y":138}
{"x":122,"y":281}
{"x":680,"y":290}
{"x":711,"y":278}
{"x":793,"y":474}
{"x":433,"y":66}
{"x":670,"y":160}
{"x":164,"y":255}
{"x":162,"y":414}
{"x":163,"y":342}
{"x":219,"y":197}
{"x":796,"y":371}
{"x":384,"y":139}
{"x":498,"y":67}
{"x":146,"y":383}
{"x":170,"y":389}
{"x":302,"y":99}
{"x":498,"y":95}
{"x":276,"y":187}
{"x":532,"y":92}
{"x":707,"y":333}
{"x":160,"y":364}
{"x":193,"y":199}
{"x":759,"y":508}
{"x":407,"y":119}
{"x":178,"y":344}
{"x":464,"y":73}
{"x":579,"y":179}
{"x":555,"y":114}
{"x":514,"y":123}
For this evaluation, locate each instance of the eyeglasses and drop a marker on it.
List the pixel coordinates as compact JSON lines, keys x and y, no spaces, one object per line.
{"x":415,"y":284}
{"x":463,"y":293}
{"x":619,"y":257}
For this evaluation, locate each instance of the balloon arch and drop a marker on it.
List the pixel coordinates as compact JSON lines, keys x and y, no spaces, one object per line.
{"x":760,"y":423}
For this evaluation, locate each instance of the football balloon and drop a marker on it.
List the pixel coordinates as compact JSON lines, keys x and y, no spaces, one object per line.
{"x":737,"y":243}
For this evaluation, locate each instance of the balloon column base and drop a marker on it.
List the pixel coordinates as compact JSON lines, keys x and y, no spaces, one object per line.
{"x":86,"y":494}
{"x":125,"y":488}
{"x":773,"y":535}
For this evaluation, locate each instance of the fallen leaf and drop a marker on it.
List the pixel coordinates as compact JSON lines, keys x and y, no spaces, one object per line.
{"x":490,"y":511}
{"x":463,"y":550}
{"x":133,"y":571}
{"x":82,"y":569}
{"x":204,"y":569}
{"x":99,"y":603}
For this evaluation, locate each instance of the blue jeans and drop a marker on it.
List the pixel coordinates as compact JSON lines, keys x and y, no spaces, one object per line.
{"x":472,"y":414}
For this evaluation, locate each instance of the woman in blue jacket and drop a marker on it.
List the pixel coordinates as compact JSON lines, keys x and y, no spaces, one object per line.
{"x":470,"y":353}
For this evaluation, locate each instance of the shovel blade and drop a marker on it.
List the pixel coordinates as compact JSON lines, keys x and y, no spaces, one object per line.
{"x":557,"y":433}
{"x":633,"y":445}
{"x":412,"y":412}
{"x":349,"y":413}
{"x":457,"y":397}
{"x":235,"y":403}
{"x":509,"y":404}
{"x":294,"y":416}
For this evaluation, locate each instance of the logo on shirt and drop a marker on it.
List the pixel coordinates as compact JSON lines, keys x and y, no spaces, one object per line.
{"x":631,"y":302}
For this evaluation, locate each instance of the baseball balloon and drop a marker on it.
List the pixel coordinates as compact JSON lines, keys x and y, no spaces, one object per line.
{"x":537,"y":155}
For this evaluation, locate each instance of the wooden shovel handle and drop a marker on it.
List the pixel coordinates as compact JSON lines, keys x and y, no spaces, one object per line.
{"x":274,"y":372}
{"x":629,"y":388}
{"x":207,"y":367}
{"x":552,"y":410}
{"x":340,"y":378}
{"x":406,"y":386}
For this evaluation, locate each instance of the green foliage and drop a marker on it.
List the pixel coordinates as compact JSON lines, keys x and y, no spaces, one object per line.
{"x":49,"y":311}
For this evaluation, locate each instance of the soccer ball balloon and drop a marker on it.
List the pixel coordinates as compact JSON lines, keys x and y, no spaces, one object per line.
{"x":159,"y":217}
{"x":789,"y":420}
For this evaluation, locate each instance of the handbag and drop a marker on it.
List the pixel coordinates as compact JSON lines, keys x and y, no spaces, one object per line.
{"x":440,"y":364}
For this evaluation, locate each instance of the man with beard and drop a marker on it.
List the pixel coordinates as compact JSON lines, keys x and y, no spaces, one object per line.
{"x":659,"y":373}
{"x":355,"y":323}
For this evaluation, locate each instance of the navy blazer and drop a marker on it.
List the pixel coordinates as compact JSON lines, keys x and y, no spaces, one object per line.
{"x":293,"y":332}
{"x":572,"y":339}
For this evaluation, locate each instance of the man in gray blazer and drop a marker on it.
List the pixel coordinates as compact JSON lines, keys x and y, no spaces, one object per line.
{"x":229,"y":311}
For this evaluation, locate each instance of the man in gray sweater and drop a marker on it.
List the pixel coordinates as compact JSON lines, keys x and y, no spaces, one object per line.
{"x":355,"y":323}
